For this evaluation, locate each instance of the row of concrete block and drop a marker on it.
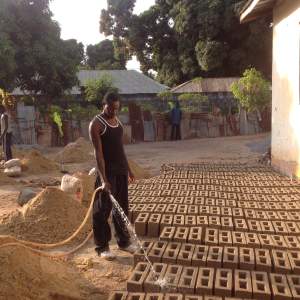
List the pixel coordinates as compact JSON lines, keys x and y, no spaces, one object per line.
{"x":268,"y":260}
{"x":215,"y":202}
{"x":210,"y":281}
{"x":122,"y":295}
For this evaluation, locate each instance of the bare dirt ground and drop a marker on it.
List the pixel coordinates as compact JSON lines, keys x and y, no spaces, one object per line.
{"x":105,"y":276}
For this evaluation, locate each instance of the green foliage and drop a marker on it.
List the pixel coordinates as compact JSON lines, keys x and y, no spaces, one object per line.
{"x":184,"y":39}
{"x":124,"y":109}
{"x":56,"y":116}
{"x":192,"y":102}
{"x":252,"y":90}
{"x":32,"y":54}
{"x":165,"y":95}
{"x":96,"y":89}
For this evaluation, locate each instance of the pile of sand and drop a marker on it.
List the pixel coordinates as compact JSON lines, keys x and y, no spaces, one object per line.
{"x":34,"y":162}
{"x":50,"y":217}
{"x":138,"y":171}
{"x":5,"y":180}
{"x":26,"y":275}
{"x":79,"y":151}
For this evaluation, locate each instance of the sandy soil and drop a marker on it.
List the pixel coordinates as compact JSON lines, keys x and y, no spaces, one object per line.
{"x":107,"y":276}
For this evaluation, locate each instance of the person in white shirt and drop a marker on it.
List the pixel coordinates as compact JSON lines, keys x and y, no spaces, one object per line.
{"x":6,"y":132}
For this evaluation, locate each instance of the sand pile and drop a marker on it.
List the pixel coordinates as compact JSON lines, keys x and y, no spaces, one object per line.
{"x":50,"y":217}
{"x":4,"y":179}
{"x":26,"y":275}
{"x":138,"y":171}
{"x":79,"y":151}
{"x":35,"y":163}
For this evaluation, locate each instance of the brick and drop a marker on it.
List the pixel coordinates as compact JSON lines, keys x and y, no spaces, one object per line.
{"x":153,"y":225}
{"x":263,"y":260}
{"x":167,"y":234}
{"x":281,"y":261}
{"x":265,"y":241}
{"x":242,"y":284}
{"x":187,"y":282}
{"x":173,"y":297}
{"x":225,"y":238}
{"x":157,"y":251}
{"x":280,"y":287}
{"x":294,"y":284}
{"x":178,"y":220}
{"x":118,"y":296}
{"x":166,"y":221}
{"x":136,"y":296}
{"x":181,"y":234}
{"x":211,"y":236}
{"x":247,"y":259}
{"x":261,"y":286}
{"x":214,"y":257}
{"x":150,"y":283}
{"x":214,"y":222}
{"x":190,"y":221}
{"x":171,"y":253}
{"x":139,"y":255}
{"x":238,"y":239}
{"x":200,"y":255}
{"x":173,"y":274}
{"x":140,"y":224}
{"x":154,"y":296}
{"x":252,"y":240}
{"x":278,"y":241}
{"x":195,"y":235}
{"x":186,"y":254}
{"x":137,"y":277}
{"x":240,"y":225}
{"x":205,"y":281}
{"x":230,"y":257}
{"x":223,"y":282}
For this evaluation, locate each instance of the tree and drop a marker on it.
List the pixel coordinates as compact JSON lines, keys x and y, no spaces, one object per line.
{"x":253,"y":91}
{"x":38,"y":59}
{"x":107,"y":55}
{"x":183,"y":39}
{"x":96,"y":89}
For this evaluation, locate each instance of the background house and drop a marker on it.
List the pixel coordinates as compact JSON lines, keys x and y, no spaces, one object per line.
{"x":285,"y":79}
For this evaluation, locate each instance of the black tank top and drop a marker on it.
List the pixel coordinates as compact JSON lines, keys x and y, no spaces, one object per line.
{"x":112,"y":147}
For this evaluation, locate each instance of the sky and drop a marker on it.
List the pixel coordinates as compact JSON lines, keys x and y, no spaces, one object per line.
{"x":79,"y":19}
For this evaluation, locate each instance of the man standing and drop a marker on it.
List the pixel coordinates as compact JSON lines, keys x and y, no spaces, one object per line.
{"x":106,"y":133}
{"x":6,"y":133}
{"x":175,"y":121}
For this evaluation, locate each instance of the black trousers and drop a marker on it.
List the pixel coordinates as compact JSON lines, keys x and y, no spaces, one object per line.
{"x":175,"y":134}
{"x":102,"y":209}
{"x":6,"y":144}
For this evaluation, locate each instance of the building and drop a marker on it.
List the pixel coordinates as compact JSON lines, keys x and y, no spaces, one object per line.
{"x":285,"y":79}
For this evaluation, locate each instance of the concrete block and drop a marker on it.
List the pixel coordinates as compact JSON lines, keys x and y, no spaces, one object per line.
{"x":247,"y":259}
{"x":226,"y":211}
{"x":200,"y":255}
{"x":263,"y":260}
{"x":166,"y":221}
{"x":182,"y":209}
{"x":160,"y":208}
{"x":294,"y":258}
{"x":278,"y":241}
{"x":294,"y":284}
{"x":242,"y":284}
{"x":205,"y":281}
{"x":202,"y":221}
{"x":171,"y":253}
{"x":214,"y":222}
{"x":190,"y":221}
{"x":157,"y":251}
{"x":167,"y":234}
{"x":173,"y":297}
{"x":195,"y":235}
{"x":226,"y":223}
{"x":265,"y":241}
{"x":118,"y":296}
{"x":212,"y":298}
{"x":214,"y":257}
{"x":292,"y":227}
{"x":139,"y":254}
{"x":215,"y":211}
{"x":171,"y":209}
{"x":211,"y":236}
{"x":225,"y":238}
{"x":281,"y":262}
{"x":267,"y":227}
{"x":181,"y":234}
{"x":254,"y":225}
{"x":150,"y":283}
{"x":279,"y":227}
{"x":137,"y":210}
{"x":173,"y":274}
{"x":292,"y":242}
{"x":193,"y":210}
{"x":154,"y":296}
{"x":178,"y":220}
{"x":223,"y":282}
{"x":140,"y":224}
{"x":136,"y":296}
{"x":137,"y":277}
{"x":240,"y":225}
{"x":230,"y":257}
{"x":153,"y":225}
{"x":186,"y":254}
{"x":261,"y":286}
{"x":187,"y":282}
{"x":193,"y":297}
{"x":280,"y":287}
{"x":204,"y":210}
{"x":237,"y":212}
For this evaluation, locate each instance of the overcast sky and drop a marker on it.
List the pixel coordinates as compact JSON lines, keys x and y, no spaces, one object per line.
{"x":79,"y":19}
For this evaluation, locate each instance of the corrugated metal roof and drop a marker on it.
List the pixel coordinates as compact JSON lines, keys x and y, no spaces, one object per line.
{"x":206,"y":85}
{"x":256,"y":8}
{"x":128,"y":82}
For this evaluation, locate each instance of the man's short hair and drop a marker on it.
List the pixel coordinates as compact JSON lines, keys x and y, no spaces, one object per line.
{"x":111,"y":97}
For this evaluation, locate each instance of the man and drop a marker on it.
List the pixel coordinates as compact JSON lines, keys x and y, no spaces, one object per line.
{"x":6,"y":133}
{"x":106,"y":133}
{"x":175,"y":121}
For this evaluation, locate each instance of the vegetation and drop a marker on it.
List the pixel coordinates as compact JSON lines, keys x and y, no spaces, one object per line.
{"x":253,"y":91}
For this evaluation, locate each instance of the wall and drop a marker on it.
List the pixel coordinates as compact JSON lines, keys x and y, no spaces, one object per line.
{"x":285,"y":103}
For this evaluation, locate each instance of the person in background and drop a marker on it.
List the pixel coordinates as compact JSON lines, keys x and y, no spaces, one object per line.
{"x":6,"y":132}
{"x":106,"y":133}
{"x":176,"y":115}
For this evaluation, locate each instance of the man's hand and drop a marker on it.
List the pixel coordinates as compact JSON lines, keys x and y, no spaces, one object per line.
{"x":106,"y":186}
{"x":131,"y":178}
